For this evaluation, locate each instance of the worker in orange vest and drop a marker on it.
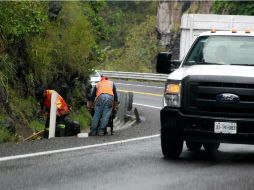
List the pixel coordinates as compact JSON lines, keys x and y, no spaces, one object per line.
{"x":44,"y":96}
{"x":103,"y":96}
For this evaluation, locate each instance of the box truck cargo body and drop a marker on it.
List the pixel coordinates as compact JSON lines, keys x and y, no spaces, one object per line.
{"x":192,"y":25}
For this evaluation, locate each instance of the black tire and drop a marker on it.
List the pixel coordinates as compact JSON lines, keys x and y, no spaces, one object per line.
{"x":193,"y":146}
{"x":170,"y":148}
{"x":211,"y":147}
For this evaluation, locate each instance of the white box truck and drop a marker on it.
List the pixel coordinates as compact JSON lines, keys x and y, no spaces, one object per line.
{"x":209,"y":99}
{"x":192,"y":25}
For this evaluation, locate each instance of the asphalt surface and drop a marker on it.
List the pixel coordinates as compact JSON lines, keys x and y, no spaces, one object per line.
{"x":130,"y":165}
{"x":135,"y":165}
{"x":144,"y":93}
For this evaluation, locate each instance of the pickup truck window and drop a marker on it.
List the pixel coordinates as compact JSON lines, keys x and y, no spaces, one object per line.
{"x":226,"y":50}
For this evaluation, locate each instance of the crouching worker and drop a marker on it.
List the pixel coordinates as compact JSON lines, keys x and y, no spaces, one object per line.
{"x":44,"y":97}
{"x":103,"y":96}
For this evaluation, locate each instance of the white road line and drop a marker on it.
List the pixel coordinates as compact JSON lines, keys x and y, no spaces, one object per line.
{"x":7,"y":158}
{"x":147,"y":106}
{"x":138,"y":85}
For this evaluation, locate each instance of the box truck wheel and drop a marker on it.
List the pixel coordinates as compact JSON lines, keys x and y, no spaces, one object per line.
{"x":193,"y":146}
{"x":170,"y":148}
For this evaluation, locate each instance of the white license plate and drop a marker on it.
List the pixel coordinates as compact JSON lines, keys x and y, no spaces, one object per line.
{"x":225,"y":127}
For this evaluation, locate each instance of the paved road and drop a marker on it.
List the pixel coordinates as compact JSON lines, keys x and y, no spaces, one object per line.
{"x":144,"y":93}
{"x":126,"y":165}
{"x":135,"y":165}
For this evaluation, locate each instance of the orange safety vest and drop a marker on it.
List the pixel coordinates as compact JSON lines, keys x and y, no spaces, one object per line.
{"x":62,"y":107}
{"x":104,"y":87}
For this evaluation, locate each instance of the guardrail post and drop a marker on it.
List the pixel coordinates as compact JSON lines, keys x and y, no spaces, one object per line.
{"x":52,"y":121}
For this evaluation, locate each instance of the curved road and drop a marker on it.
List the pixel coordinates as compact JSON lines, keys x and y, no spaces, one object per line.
{"x":128,"y":164}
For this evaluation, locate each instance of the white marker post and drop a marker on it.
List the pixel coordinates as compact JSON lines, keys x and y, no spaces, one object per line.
{"x":52,"y":121}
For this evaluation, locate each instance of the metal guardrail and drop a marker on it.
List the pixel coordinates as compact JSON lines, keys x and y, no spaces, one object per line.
{"x":134,"y":75}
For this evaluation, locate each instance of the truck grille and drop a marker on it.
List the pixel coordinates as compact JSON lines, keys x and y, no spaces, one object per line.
{"x":200,"y":97}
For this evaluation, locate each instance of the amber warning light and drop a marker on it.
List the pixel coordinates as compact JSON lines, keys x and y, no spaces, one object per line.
{"x":213,"y":30}
{"x":247,"y":31}
{"x":173,"y":88}
{"x":234,"y":30}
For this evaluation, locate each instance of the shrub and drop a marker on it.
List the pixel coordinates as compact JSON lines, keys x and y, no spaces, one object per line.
{"x":24,"y":108}
{"x":36,"y":125}
{"x":6,"y":136}
{"x":21,"y":18}
{"x":83,"y":117}
{"x":40,"y":60}
{"x":234,"y":7}
{"x":141,"y":48}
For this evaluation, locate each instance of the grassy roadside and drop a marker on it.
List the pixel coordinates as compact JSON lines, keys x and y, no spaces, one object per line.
{"x":6,"y":136}
{"x":83,"y":117}
{"x":37,"y":125}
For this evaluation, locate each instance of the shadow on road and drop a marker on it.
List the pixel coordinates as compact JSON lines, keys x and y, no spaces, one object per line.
{"x":218,"y":157}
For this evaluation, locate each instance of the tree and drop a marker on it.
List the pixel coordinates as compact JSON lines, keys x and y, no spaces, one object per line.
{"x":140,"y":49}
{"x":234,"y":7}
{"x":21,"y":18}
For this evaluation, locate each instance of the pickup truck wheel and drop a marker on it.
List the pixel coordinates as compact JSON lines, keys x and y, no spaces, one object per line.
{"x":170,"y":148}
{"x":211,"y":147}
{"x":193,"y":146}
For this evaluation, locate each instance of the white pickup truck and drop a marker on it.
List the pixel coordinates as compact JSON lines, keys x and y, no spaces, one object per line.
{"x":209,"y":99}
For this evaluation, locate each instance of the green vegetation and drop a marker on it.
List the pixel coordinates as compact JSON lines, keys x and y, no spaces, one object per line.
{"x":129,"y":42}
{"x":22,"y":18}
{"x":36,"y":125}
{"x":64,"y":49}
{"x":234,"y":7}
{"x":5,"y":135}
{"x":83,"y":117}
{"x":58,"y":44}
{"x":24,"y":107}
{"x":139,"y":51}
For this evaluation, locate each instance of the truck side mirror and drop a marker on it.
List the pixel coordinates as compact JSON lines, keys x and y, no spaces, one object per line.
{"x":164,"y":62}
{"x":175,"y":64}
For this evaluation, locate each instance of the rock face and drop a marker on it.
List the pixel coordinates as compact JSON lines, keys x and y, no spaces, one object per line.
{"x":169,"y":20}
{"x":163,"y":23}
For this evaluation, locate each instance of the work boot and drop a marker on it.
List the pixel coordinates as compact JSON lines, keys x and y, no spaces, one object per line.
{"x":101,"y":133}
